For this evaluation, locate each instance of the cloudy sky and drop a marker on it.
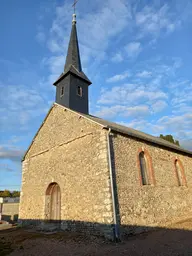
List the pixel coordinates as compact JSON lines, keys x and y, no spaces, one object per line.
{"x":137,"y":54}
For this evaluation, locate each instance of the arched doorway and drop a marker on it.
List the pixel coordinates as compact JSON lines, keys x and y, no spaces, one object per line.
{"x":53,"y":202}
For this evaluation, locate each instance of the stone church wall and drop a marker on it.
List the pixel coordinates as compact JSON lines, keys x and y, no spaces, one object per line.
{"x":72,"y":152}
{"x":145,"y":206}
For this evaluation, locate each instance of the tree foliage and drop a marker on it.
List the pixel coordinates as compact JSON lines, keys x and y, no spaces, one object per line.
{"x":7,"y":193}
{"x":169,"y":138}
{"x":15,"y":194}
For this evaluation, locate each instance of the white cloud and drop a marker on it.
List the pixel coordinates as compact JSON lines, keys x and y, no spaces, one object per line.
{"x":6,"y":167}
{"x":153,"y":21}
{"x":165,"y":127}
{"x":54,"y":46}
{"x":133,"y":49}
{"x":158,"y":106}
{"x":144,"y":74}
{"x":130,"y":93}
{"x":118,"y":77}
{"x":107,"y":20}
{"x":186,"y":144}
{"x":55,"y":65}
{"x":181,"y":95}
{"x":97,"y":23}
{"x":40,"y":37}
{"x":20,"y":98}
{"x":145,"y":126}
{"x":13,"y":154}
{"x":117,"y":57}
{"x":177,"y":123}
{"x":19,"y":106}
{"x":119,"y":110}
{"x":179,"y":126}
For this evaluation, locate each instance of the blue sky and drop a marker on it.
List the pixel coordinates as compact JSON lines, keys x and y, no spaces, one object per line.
{"x":137,"y":54}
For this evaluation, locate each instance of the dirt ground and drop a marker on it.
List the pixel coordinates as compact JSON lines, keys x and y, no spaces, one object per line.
{"x":175,"y":240}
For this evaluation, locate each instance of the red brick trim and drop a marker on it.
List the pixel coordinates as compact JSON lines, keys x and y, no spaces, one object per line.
{"x":50,"y":188}
{"x":184,"y":181}
{"x":149,"y":166}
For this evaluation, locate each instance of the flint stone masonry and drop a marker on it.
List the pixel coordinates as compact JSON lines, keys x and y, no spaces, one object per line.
{"x":71,"y":151}
{"x":141,"y":207}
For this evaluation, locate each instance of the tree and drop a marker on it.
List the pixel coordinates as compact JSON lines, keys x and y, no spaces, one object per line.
{"x":169,"y":138}
{"x":5,"y":193}
{"x":15,"y":194}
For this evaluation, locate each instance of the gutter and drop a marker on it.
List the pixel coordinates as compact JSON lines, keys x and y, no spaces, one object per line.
{"x":116,"y":228}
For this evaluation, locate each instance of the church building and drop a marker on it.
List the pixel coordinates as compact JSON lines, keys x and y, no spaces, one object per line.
{"x":82,"y":173}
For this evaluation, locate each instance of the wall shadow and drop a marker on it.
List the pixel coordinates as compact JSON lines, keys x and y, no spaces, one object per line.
{"x":139,"y":240}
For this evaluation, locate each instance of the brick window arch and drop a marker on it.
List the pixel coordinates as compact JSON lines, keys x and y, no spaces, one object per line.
{"x":180,"y":173}
{"x":146,"y":173}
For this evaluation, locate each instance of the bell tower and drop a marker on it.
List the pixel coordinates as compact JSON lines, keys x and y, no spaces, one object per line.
{"x":73,"y":85}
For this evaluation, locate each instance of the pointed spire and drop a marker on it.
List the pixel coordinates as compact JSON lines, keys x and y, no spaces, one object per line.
{"x":72,"y":86}
{"x":73,"y":55}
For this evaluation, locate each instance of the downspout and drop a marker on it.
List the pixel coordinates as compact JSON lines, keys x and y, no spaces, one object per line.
{"x":116,"y":230}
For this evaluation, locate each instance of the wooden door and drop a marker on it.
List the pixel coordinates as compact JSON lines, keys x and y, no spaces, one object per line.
{"x":55,"y":203}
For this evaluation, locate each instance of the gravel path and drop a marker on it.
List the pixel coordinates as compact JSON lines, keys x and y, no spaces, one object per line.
{"x":177,"y":240}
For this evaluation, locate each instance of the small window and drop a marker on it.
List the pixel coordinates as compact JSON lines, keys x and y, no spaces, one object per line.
{"x":143,"y":169}
{"x":79,"y":91}
{"x":180,"y":173}
{"x":62,"y":91}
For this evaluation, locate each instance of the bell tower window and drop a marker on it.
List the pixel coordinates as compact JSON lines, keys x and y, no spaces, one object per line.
{"x":79,"y":91}
{"x":62,"y":91}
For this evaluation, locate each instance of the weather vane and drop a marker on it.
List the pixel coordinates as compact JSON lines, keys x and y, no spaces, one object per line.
{"x":74,"y":5}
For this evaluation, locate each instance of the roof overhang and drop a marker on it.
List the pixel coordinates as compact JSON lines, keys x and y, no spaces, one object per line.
{"x":72,"y":70}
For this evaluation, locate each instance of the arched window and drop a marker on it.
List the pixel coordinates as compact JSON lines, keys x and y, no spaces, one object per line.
{"x":53,"y":202}
{"x":180,"y":174}
{"x":144,"y":170}
{"x":145,"y":167}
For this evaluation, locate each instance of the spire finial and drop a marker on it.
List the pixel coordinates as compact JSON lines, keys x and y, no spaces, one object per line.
{"x":74,"y":5}
{"x":74,"y":18}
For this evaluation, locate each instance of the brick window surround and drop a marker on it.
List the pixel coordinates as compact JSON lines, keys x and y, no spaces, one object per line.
{"x":177,"y":162}
{"x":149,"y":164}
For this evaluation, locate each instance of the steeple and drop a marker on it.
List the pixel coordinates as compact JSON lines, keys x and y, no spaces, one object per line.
{"x":72,"y":85}
{"x":73,"y":55}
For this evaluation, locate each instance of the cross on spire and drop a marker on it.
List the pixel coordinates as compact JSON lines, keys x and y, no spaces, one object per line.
{"x":74,"y":5}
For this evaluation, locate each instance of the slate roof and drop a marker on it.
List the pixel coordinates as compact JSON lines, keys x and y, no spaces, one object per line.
{"x":137,"y":134}
{"x":73,"y":60}
{"x":73,"y":55}
{"x":71,"y":69}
